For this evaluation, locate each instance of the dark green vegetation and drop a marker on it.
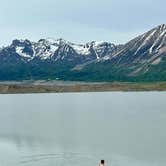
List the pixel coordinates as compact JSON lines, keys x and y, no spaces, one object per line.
{"x":110,"y":72}
{"x":100,"y":72}
{"x":33,"y":71}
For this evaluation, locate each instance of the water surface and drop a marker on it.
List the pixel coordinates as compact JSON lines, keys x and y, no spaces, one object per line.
{"x":125,"y":129}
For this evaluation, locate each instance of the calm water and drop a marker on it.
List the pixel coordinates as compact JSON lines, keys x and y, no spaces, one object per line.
{"x":125,"y":129}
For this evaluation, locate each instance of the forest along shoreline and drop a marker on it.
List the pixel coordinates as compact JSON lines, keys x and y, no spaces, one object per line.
{"x":12,"y":87}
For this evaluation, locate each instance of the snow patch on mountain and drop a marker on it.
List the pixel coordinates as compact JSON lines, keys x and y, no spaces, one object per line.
{"x":145,"y":41}
{"x":19,"y":50}
{"x":81,"y":49}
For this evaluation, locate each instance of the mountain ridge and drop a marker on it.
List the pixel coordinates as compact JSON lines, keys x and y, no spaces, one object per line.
{"x":140,"y":59}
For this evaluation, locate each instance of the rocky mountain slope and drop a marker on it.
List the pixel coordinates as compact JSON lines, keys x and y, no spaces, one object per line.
{"x":143,"y":51}
{"x":141,"y":59}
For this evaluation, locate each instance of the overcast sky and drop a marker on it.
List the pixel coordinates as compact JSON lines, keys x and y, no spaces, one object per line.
{"x":79,"y":20}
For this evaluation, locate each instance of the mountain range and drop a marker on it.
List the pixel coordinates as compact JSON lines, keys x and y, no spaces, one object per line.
{"x":141,"y":59}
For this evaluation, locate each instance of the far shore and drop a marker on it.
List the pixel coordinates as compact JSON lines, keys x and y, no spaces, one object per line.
{"x":14,"y":87}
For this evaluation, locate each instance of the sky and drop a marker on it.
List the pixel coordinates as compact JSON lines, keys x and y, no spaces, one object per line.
{"x":80,"y":21}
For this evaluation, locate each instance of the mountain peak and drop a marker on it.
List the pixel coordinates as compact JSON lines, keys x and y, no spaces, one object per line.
{"x":17,"y":42}
{"x":162,"y":27}
{"x":53,"y":41}
{"x":59,"y":40}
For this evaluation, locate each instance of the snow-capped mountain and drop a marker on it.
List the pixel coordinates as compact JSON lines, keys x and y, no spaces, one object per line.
{"x":143,"y":51}
{"x":141,"y":59}
{"x":59,"y":49}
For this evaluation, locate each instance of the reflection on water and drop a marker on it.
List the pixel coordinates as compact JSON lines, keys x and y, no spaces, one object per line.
{"x":81,"y":129}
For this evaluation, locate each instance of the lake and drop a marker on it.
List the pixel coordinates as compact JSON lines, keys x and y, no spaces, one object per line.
{"x":78,"y":129}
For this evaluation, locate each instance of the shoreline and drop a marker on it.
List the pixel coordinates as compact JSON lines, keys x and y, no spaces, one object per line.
{"x":26,"y":87}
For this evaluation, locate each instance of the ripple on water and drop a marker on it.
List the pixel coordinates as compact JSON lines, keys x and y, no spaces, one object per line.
{"x":79,"y":159}
{"x":61,"y":159}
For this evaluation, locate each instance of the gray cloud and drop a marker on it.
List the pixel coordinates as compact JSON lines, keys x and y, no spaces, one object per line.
{"x":84,"y":20}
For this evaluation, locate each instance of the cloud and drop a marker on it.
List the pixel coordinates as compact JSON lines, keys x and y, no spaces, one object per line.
{"x":116,"y":18}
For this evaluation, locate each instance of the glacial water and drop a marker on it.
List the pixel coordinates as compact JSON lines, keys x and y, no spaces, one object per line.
{"x":80,"y":129}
